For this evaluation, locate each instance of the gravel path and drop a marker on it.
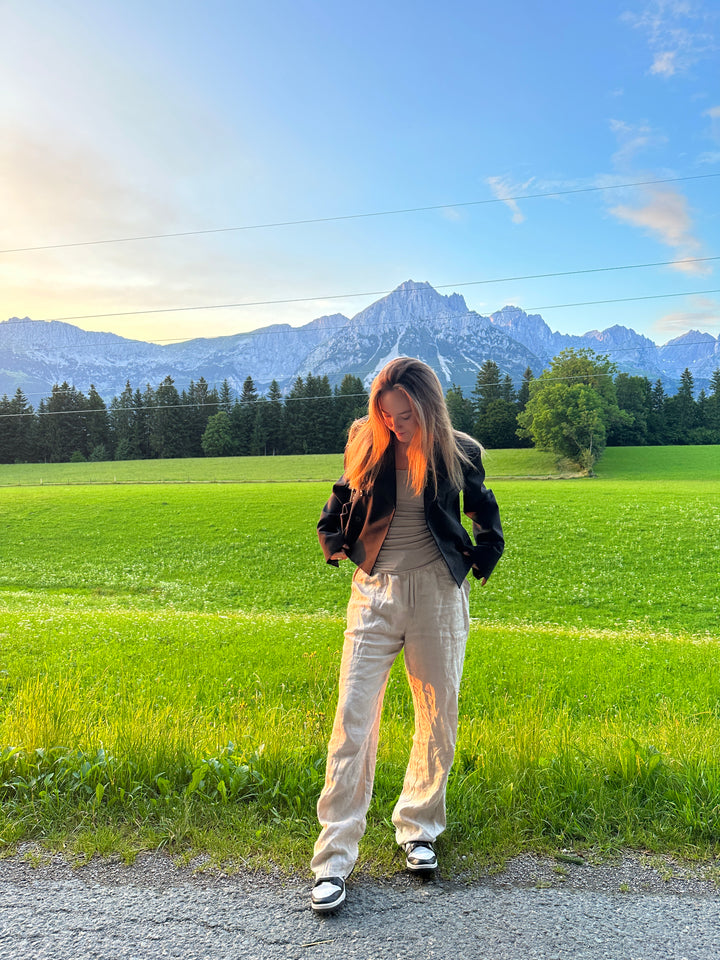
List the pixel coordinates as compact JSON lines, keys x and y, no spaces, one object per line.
{"x":630,"y":909}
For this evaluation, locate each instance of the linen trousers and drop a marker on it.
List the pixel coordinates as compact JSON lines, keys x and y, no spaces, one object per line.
{"x":424,"y":613}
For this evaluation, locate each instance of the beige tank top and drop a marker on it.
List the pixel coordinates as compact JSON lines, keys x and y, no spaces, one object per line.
{"x":408,"y":543}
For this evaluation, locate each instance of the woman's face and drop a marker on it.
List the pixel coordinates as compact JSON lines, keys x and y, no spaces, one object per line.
{"x":398,"y":415}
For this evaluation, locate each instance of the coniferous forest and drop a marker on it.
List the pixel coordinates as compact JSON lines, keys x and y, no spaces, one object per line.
{"x":313,"y":417}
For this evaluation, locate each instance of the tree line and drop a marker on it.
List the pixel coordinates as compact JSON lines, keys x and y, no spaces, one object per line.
{"x":581,"y":404}
{"x":163,"y":423}
{"x":575,"y":408}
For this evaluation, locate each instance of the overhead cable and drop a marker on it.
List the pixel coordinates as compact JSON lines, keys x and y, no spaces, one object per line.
{"x":375,"y":293}
{"x":358,"y":216}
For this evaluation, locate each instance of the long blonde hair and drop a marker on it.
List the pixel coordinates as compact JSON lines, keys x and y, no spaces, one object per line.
{"x":434,"y":442}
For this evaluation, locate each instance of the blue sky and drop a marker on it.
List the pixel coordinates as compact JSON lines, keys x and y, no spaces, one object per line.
{"x":154,"y":117}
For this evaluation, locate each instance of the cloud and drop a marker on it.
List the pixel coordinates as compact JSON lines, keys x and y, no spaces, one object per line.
{"x":632,"y":139}
{"x":679,"y":33}
{"x":504,"y":190}
{"x":662,"y":212}
{"x":451,"y":213}
{"x":705,"y":316}
{"x":665,"y":63}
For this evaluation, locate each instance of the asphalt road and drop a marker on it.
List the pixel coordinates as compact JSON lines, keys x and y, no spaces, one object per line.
{"x":631,"y":909}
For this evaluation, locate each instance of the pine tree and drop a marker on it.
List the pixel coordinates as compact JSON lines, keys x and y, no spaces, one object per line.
{"x":351,"y":402}
{"x":258,"y":435}
{"x":199,"y":410}
{"x":524,"y":391}
{"x":167,"y":428}
{"x":273,"y":415}
{"x":712,"y":416}
{"x":657,"y":431}
{"x":319,"y":415}
{"x":66,"y":430}
{"x":98,"y":427}
{"x":295,"y":423}
{"x":460,"y":409}
{"x":681,"y":413}
{"x":7,"y":446}
{"x":242,"y":418}
{"x":122,"y":423}
{"x":487,"y":389}
{"x":17,"y":428}
{"x":507,"y":391}
{"x":634,"y":396}
{"x":225,"y":397}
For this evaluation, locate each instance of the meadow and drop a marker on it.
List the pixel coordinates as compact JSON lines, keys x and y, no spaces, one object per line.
{"x":236,"y":469}
{"x":169,"y":652}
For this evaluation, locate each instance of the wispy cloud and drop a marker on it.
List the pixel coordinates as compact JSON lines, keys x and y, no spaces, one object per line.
{"x":705,"y":316}
{"x":662,"y":212}
{"x":679,"y":33}
{"x":451,"y":213}
{"x":504,"y":189}
{"x":632,"y":139}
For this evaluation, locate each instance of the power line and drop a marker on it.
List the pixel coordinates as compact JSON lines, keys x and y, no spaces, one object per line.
{"x":216,"y":404}
{"x":173,"y":406}
{"x":442,"y":316}
{"x":378,"y":293}
{"x":357,"y":216}
{"x":615,"y":350}
{"x":654,"y":296}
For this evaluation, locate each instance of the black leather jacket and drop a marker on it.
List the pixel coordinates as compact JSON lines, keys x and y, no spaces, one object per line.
{"x":358,"y":524}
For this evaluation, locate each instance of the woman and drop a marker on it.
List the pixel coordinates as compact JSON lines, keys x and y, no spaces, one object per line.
{"x":395,"y":513}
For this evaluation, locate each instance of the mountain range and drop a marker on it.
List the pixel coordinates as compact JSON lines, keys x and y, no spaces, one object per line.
{"x":413,"y":320}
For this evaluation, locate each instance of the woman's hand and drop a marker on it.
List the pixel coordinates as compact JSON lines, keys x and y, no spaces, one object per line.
{"x":340,"y":555}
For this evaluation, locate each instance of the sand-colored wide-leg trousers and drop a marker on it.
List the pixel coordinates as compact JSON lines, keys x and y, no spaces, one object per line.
{"x":426,"y":613}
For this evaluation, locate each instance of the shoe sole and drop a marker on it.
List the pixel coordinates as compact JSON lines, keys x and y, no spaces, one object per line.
{"x":421,"y":867}
{"x":328,"y":907}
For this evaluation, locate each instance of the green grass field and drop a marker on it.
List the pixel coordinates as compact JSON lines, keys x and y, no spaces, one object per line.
{"x":169,"y":652}
{"x":238,"y":469}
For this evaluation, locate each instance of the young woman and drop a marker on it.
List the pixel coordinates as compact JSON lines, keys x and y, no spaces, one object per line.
{"x":395,"y":513}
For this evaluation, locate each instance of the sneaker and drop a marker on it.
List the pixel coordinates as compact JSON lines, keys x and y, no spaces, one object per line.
{"x":327,"y":894}
{"x":420,"y":855}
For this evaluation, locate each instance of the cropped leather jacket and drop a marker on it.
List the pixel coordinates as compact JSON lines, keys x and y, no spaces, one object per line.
{"x":357,"y":523}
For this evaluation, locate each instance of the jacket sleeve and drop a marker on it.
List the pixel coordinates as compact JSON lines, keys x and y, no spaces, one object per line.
{"x":480,"y":506}
{"x":329,"y":526}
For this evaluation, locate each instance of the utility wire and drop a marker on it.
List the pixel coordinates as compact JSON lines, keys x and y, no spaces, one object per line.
{"x":615,"y":350}
{"x":194,"y":406}
{"x":442,"y":316}
{"x":357,"y":216}
{"x":378,"y":293}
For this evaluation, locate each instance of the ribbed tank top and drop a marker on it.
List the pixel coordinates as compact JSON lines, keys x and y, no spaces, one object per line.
{"x":408,"y":543}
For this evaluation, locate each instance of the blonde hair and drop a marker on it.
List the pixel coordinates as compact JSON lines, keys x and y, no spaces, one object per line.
{"x":434,"y":442}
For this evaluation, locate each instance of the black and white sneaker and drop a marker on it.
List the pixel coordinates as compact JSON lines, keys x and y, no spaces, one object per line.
{"x":420,"y":856}
{"x":327,"y":894}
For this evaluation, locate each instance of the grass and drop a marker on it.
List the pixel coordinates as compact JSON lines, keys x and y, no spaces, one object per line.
{"x":661,"y":463}
{"x":237,"y":469}
{"x":200,"y":470}
{"x":169,"y":654}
